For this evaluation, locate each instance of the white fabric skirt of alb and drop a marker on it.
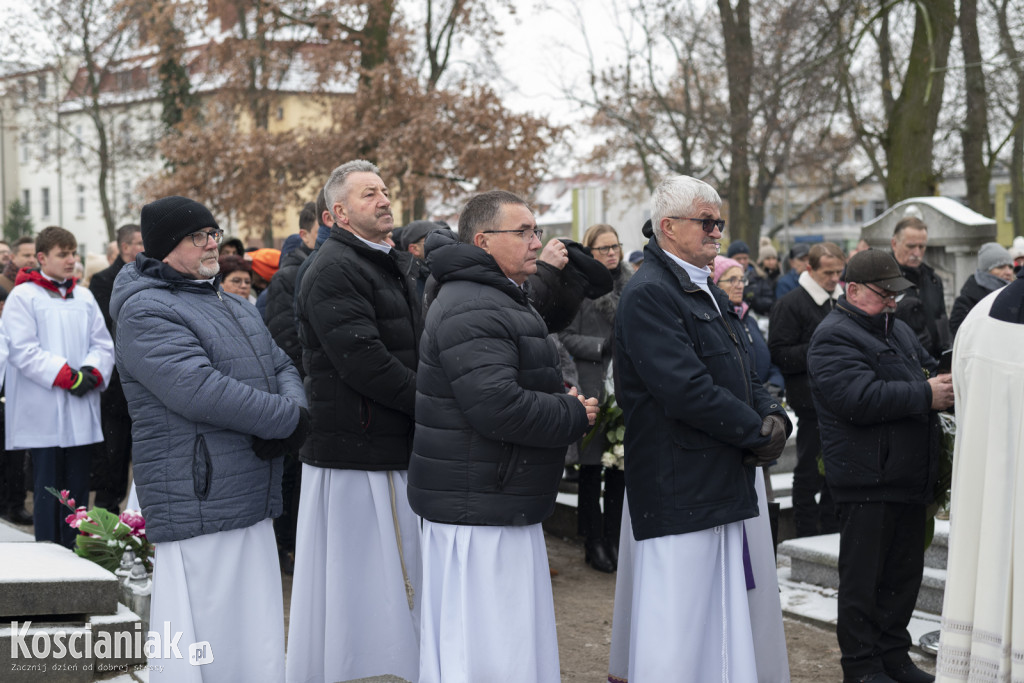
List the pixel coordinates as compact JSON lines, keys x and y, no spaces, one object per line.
{"x":488,"y":611}
{"x":223,"y":589}
{"x":350,"y":613}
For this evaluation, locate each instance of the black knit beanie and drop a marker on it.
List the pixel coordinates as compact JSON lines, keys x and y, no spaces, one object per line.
{"x":167,"y":221}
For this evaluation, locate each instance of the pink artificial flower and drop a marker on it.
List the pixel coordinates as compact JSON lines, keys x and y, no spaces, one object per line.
{"x":134,"y":520}
{"x":75,"y":518}
{"x":66,"y":499}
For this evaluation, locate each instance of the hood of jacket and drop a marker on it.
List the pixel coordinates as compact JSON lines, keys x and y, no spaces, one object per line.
{"x":450,"y":260}
{"x":146,"y":273}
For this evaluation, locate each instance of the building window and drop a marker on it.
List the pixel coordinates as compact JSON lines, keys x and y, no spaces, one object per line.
{"x":80,"y":200}
{"x":837,"y":213}
{"x":46,"y":202}
{"x":44,"y":146}
{"x":858,"y":213}
{"x":26,"y":199}
{"x":1008,"y":216}
{"x":879,"y":207}
{"x":24,"y":148}
{"x":280,"y":113}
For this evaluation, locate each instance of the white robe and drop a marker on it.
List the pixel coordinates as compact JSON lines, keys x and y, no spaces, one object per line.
{"x":763,"y":600}
{"x":350,"y":614}
{"x":223,"y":589}
{"x":982,"y":635}
{"x":43,"y":334}
{"x":488,"y":610}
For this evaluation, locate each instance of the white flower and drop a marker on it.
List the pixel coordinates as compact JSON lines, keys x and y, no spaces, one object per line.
{"x":608,"y":459}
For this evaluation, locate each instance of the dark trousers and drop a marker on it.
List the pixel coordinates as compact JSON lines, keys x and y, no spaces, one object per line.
{"x":592,"y":525}
{"x":881,"y":561}
{"x":12,"y":481}
{"x":810,"y":516}
{"x":285,"y":525}
{"x":61,"y":468}
{"x":111,"y":459}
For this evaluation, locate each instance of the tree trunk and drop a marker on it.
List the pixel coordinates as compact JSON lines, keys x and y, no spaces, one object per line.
{"x":739,"y":69}
{"x":910,"y":132}
{"x":975,"y":130}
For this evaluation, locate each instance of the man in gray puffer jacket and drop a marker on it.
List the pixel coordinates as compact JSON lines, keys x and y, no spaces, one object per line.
{"x":214,"y":404}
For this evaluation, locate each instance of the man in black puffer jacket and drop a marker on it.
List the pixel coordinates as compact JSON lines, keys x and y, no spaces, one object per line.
{"x":357,"y":543}
{"x":493,"y":421}
{"x":879,"y":438}
{"x":280,"y":313}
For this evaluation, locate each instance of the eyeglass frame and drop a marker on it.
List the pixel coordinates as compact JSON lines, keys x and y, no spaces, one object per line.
{"x":730,"y":281}
{"x":704,"y":222}
{"x":217,"y":235}
{"x":539,"y":232}
{"x":608,"y":249}
{"x":895,"y":297}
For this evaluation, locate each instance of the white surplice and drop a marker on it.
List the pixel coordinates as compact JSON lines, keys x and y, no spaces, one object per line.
{"x":488,"y":611}
{"x":350,"y":612}
{"x":983,"y":610}
{"x":762,"y":600}
{"x":223,"y":589}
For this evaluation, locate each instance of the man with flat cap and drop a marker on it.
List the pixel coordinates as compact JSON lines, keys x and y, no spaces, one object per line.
{"x":215,"y":406}
{"x":876,"y":392}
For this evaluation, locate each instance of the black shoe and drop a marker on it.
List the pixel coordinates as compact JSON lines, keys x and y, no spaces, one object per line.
{"x":908,"y":672}
{"x":613,"y":551}
{"x":877,"y":677}
{"x":597,"y":556}
{"x":20,"y":516}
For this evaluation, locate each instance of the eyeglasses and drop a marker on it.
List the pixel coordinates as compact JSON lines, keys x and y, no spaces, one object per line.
{"x":730,"y":281}
{"x":610,"y":249}
{"x":893,"y":296}
{"x":708,"y":225}
{"x":526,"y":233}
{"x":202,"y":238}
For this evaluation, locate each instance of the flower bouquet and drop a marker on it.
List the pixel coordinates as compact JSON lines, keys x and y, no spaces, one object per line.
{"x":103,"y":536}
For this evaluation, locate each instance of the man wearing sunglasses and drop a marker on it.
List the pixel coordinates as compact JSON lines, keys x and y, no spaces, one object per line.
{"x":698,"y":421}
{"x":876,"y":395}
{"x":215,"y":405}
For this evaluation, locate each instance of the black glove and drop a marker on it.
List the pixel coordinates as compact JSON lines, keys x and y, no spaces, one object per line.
{"x":268,"y":449}
{"x":773,"y":425}
{"x":298,"y":437}
{"x":85,"y":381}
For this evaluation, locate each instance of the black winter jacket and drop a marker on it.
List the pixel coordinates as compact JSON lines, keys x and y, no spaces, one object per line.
{"x":359,"y":326}
{"x":923,"y":308}
{"x":492,"y":416}
{"x":280,"y":313}
{"x":970,"y":294}
{"x":112,"y":400}
{"x":760,"y":293}
{"x":793,"y":320}
{"x":693,"y":404}
{"x":879,"y":436}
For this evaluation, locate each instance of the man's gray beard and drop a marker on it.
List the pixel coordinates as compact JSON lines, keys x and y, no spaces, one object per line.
{"x":209,"y":271}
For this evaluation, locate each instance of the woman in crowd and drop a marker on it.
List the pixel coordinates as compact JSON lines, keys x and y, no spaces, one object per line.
{"x":760,"y":291}
{"x":236,"y":276}
{"x":995,"y":271}
{"x":589,"y":339}
{"x":729,"y":275}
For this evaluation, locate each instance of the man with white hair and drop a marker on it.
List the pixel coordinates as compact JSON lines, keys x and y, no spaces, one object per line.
{"x":698,"y":423}
{"x":355,"y":602}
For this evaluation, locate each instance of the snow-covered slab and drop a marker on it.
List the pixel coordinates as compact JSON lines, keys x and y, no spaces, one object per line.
{"x":38,"y":579}
{"x":12,"y":534}
{"x":821,"y":606}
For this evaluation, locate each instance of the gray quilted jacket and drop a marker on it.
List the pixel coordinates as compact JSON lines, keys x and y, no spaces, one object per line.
{"x":202,"y":376}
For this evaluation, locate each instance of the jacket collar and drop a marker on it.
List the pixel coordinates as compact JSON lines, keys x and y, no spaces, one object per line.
{"x":816,"y":291}
{"x":879,"y":325}
{"x":654,"y":251}
{"x":36,"y":276}
{"x":449,"y":260}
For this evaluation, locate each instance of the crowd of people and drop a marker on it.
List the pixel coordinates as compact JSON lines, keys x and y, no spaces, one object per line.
{"x":385,"y":412}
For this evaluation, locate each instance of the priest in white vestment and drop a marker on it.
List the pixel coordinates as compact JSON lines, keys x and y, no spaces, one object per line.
{"x":983,"y":609}
{"x":698,"y":422}
{"x":493,"y":420}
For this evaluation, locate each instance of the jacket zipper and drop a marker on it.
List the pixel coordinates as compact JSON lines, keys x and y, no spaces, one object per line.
{"x":270,"y":469}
